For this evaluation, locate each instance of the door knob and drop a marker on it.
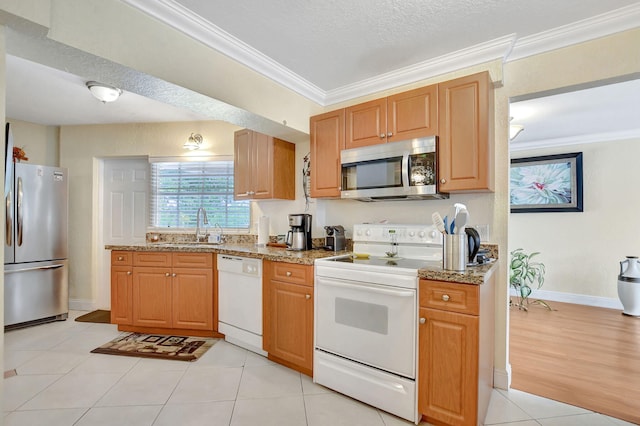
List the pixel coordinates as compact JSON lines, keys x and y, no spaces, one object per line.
{"x":307,"y":296}
{"x":423,"y":320}
{"x":443,"y":180}
{"x":445,"y":297}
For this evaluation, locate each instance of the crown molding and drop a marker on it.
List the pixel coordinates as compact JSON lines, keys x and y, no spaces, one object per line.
{"x":575,"y":140}
{"x":474,"y":55}
{"x":616,"y":21}
{"x":509,"y":48}
{"x":183,"y":20}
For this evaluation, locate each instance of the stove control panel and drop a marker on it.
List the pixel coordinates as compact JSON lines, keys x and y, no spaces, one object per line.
{"x":400,"y":233}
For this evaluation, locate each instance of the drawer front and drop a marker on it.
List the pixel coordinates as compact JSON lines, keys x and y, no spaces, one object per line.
{"x":463,"y":298}
{"x":148,"y":258}
{"x":121,"y":258}
{"x":292,"y":273}
{"x":192,"y":260}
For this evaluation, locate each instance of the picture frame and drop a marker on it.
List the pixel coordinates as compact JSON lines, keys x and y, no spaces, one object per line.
{"x":549,"y":183}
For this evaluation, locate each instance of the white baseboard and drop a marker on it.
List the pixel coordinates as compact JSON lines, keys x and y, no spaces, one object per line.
{"x":502,"y":378}
{"x":82,"y":305}
{"x":579,"y":299}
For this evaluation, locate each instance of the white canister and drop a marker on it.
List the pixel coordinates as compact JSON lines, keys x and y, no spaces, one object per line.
{"x":263,"y":230}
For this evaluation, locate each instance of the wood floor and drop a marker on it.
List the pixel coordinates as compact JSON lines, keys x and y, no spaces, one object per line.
{"x":580,"y":355}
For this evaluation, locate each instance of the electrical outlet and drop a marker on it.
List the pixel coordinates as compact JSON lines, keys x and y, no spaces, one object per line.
{"x":483,"y":230}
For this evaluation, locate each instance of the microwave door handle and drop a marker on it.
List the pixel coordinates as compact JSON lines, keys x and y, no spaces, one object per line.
{"x":405,"y":171}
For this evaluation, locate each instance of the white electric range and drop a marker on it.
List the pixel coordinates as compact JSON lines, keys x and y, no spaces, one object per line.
{"x":366,"y":315}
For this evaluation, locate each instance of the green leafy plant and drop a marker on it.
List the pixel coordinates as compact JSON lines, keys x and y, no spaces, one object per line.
{"x":523,"y":273}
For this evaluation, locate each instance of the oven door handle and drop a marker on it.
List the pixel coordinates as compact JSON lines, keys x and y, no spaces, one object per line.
{"x":367,"y":287}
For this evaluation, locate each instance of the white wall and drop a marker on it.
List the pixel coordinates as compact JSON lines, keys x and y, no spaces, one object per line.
{"x":582,"y":251}
{"x":41,"y":144}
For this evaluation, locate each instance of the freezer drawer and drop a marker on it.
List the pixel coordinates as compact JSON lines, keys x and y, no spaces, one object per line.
{"x":35,"y":291}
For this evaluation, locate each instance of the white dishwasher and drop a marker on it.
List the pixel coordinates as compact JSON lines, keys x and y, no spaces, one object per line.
{"x":240,"y":301}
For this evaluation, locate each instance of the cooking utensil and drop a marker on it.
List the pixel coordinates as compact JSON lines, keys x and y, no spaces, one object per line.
{"x":438,"y":222}
{"x":461,"y":220}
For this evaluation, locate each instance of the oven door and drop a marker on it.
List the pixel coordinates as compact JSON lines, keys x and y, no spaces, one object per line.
{"x":368,"y":323}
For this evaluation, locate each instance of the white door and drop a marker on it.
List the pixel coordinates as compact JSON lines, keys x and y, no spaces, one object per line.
{"x":368,"y":323}
{"x":125,"y":207}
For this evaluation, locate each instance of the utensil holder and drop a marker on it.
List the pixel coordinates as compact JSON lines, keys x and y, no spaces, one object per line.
{"x":454,"y":253}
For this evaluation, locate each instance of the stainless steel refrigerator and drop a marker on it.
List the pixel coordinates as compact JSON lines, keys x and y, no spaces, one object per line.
{"x":35,"y":254}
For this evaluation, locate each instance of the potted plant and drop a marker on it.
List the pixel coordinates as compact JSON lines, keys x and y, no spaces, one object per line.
{"x":523,"y":272}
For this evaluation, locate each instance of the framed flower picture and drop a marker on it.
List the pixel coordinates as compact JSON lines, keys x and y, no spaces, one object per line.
{"x":550,"y":183}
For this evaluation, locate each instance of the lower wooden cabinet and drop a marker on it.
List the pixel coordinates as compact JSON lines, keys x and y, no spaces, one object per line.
{"x":288,"y":315}
{"x":455,"y":373}
{"x":160,"y":291}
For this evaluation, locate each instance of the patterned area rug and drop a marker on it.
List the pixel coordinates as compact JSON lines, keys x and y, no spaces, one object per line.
{"x":181,"y":348}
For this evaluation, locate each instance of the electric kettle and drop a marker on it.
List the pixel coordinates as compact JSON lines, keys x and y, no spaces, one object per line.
{"x":473,"y":243}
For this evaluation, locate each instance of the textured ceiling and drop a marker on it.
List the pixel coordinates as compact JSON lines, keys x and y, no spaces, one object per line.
{"x":333,"y":43}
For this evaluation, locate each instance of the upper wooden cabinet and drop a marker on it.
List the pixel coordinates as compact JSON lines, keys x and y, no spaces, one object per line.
{"x":465,"y":150}
{"x":327,"y":140}
{"x":407,"y":115}
{"x":264,"y":167}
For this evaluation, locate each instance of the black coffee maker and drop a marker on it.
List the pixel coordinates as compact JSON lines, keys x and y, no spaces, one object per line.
{"x":299,"y":236}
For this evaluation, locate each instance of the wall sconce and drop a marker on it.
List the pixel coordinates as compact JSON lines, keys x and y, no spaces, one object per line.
{"x":514,"y":130}
{"x":103,"y":92}
{"x":194,"y":142}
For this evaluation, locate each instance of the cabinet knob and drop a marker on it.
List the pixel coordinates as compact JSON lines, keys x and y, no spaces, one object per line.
{"x":174,"y":274}
{"x":307,"y":296}
{"x":423,"y":320}
{"x":120,"y":258}
{"x":389,"y":134}
{"x":166,"y":274}
{"x":128,"y":272}
{"x":381,"y":135}
{"x":445,"y":297}
{"x":288,"y":273}
{"x":443,"y":180}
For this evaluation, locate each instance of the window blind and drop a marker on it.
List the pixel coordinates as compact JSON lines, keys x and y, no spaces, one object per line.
{"x":178,"y":189}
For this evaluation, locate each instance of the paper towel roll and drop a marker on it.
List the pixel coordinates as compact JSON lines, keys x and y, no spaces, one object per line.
{"x":263,"y":230}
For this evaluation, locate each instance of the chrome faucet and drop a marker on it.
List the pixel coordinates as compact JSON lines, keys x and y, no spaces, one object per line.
{"x":205,"y":221}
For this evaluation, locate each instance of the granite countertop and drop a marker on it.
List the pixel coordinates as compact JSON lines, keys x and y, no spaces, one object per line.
{"x":473,"y":274}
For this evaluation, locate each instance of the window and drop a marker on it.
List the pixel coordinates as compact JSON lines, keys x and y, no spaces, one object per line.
{"x":178,"y":189}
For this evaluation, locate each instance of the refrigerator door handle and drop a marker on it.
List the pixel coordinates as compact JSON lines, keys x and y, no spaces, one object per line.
{"x":37,"y":268}
{"x":8,"y":221}
{"x":19,"y":203}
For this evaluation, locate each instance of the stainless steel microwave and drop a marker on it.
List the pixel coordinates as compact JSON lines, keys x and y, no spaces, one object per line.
{"x":405,"y":170}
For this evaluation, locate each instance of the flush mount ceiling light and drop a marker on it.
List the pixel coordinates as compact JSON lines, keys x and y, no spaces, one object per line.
{"x":103,"y":92}
{"x":194,"y":142}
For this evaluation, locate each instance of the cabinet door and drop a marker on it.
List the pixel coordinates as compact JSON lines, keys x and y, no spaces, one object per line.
{"x":291,"y":323}
{"x":366,"y":124}
{"x":192,"y":291}
{"x":448,"y":367}
{"x":327,"y":140}
{"x":412,"y":114}
{"x":121,"y":295}
{"x":242,"y":164}
{"x":261,"y":166}
{"x":152,"y":297}
{"x":464,"y":149}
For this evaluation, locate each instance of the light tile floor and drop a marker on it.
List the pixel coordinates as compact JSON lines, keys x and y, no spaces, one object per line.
{"x":59,"y":383}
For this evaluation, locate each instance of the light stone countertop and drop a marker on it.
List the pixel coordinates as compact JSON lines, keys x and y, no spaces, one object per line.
{"x":472,"y":275}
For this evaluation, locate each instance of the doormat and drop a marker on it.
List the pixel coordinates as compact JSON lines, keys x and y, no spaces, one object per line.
{"x":180,"y":348}
{"x":99,"y":316}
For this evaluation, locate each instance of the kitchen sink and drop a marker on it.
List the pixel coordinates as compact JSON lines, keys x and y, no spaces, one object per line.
{"x":184,"y":243}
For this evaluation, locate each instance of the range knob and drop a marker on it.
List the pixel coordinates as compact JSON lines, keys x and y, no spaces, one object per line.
{"x":421,"y":234}
{"x":368,"y":232}
{"x":412,"y":234}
